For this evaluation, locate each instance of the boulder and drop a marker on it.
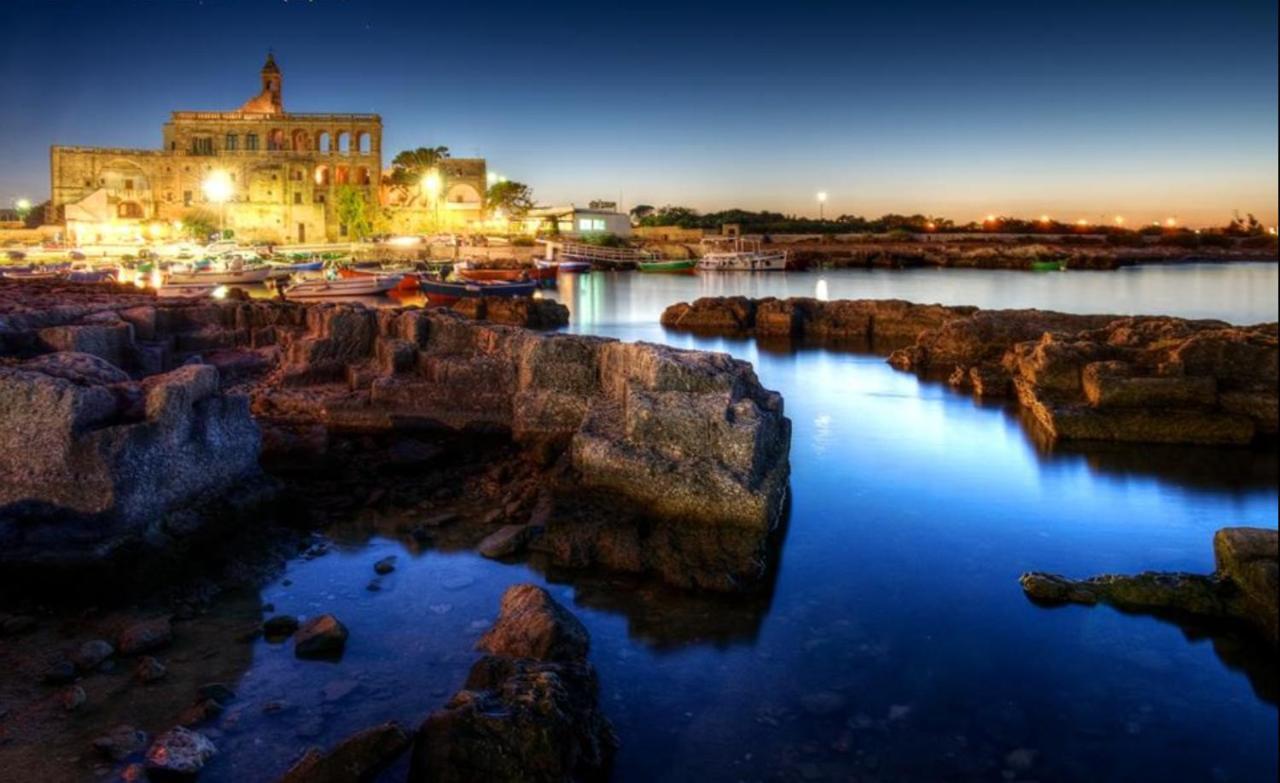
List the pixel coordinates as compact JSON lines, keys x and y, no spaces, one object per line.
{"x":320,"y":637}
{"x":179,"y":754}
{"x":531,"y":624}
{"x":359,"y":757}
{"x":145,"y":636}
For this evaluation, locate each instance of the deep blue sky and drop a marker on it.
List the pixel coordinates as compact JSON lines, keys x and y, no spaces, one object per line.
{"x":1077,"y":109}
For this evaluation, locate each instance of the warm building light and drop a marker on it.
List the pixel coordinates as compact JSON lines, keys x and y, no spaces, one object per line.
{"x":1272,"y":230}
{"x":930,"y":225}
{"x":1119,"y":220}
{"x":1171,"y":222}
{"x":1082,"y":222}
{"x":217,"y":187}
{"x":432,"y":185}
{"x":1044,"y":218}
{"x":990,"y":219}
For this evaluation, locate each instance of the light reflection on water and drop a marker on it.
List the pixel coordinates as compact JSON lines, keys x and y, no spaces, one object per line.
{"x":896,"y":644}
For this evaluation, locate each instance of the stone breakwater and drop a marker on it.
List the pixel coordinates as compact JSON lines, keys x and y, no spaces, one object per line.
{"x":1148,"y":379}
{"x":143,"y":408}
{"x":1244,"y":587}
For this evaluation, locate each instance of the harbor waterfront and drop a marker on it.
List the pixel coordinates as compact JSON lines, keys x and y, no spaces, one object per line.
{"x":890,"y":637}
{"x":395,"y":392}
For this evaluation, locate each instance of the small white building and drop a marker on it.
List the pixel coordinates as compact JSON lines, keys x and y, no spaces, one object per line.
{"x":574,"y":221}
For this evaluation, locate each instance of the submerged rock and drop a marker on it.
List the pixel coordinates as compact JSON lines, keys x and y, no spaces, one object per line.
{"x":1244,"y":589}
{"x":531,"y":718}
{"x":320,"y":637}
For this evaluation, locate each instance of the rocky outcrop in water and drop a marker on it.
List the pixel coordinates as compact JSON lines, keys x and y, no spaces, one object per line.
{"x":1152,"y":379}
{"x":528,"y":711}
{"x":1243,"y":589}
{"x":684,"y":434}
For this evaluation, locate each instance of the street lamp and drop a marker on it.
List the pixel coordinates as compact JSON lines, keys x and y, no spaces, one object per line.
{"x":23,"y":207}
{"x":491,"y":178}
{"x":432,"y":185}
{"x":217,"y":189}
{"x":822,"y":200}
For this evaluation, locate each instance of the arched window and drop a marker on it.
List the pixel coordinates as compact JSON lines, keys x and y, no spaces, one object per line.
{"x":301,"y":141}
{"x":340,"y":175}
{"x":344,"y":143}
{"x":362,"y":175}
{"x":129,"y":209}
{"x":275,"y":139}
{"x":322,"y":142}
{"x":364,"y":142}
{"x":462,"y":193}
{"x":297,"y":175}
{"x":322,"y":175}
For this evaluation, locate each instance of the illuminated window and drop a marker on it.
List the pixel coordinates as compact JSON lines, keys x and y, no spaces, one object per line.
{"x":591,"y":224}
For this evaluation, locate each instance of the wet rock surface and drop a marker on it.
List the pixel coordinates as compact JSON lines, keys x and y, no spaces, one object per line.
{"x":1244,"y":588}
{"x":359,"y":757}
{"x":1151,"y":379}
{"x":528,"y":711}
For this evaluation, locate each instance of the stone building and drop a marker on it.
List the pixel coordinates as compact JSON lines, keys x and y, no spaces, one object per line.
{"x":283,"y":170}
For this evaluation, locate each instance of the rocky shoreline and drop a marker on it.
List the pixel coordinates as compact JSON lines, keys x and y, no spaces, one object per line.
{"x":149,"y":412}
{"x":1145,"y":379}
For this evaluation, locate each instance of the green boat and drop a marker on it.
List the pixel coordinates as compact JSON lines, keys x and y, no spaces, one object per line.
{"x":678,"y":265}
{"x":1045,"y":265}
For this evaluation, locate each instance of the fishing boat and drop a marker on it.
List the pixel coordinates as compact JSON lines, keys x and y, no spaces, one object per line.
{"x":1048,"y":265}
{"x":573,"y":267}
{"x":360,"y":285}
{"x":676,"y":266}
{"x":480,"y":274}
{"x":408,"y":277}
{"x":90,"y":275}
{"x":735,"y":254}
{"x":443,"y":292}
{"x":34,"y":272}
{"x":190,"y":290}
{"x":228,"y":276}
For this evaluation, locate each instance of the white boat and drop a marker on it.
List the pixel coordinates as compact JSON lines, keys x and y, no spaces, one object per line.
{"x":191,"y":290}
{"x":363,"y":285}
{"x":735,"y":254}
{"x":230,"y":276}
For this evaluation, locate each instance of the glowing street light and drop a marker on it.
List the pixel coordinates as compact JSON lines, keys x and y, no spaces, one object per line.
{"x":1044,"y":219}
{"x":1171,"y":222}
{"x":217,"y":189}
{"x":432,"y":185}
{"x":822,"y":200}
{"x":491,"y":178}
{"x":1082,"y":222}
{"x":1119,"y":220}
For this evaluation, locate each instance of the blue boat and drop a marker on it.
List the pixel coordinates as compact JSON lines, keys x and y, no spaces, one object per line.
{"x":445,"y":292}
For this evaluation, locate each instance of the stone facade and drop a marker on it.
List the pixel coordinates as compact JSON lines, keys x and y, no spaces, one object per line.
{"x":284,"y":170}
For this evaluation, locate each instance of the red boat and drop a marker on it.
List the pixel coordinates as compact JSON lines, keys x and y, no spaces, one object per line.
{"x":408,"y":285}
{"x":486,"y":274}
{"x":440,"y":292}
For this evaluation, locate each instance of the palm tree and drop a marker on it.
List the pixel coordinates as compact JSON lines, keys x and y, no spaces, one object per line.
{"x":410,"y":166}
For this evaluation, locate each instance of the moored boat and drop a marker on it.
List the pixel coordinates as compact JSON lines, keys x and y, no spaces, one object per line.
{"x":479,"y":274}
{"x":676,"y":266}
{"x":408,"y":277}
{"x":573,"y":267}
{"x":360,"y":285}
{"x":189,"y":290}
{"x":735,"y":254}
{"x":1048,"y":265}
{"x":247,"y":276}
{"x":444,"y":292}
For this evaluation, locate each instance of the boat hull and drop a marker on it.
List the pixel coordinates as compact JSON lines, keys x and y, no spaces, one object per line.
{"x":683,"y":266}
{"x":442,"y":292}
{"x":363,"y":285}
{"x":246,"y":277}
{"x":743,"y":262}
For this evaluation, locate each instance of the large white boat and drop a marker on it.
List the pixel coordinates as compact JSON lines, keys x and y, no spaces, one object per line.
{"x":234,"y":273}
{"x":735,"y":254}
{"x":362,"y":285}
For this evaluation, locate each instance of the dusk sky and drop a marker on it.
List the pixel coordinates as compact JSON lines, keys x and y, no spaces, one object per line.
{"x":1078,"y":110}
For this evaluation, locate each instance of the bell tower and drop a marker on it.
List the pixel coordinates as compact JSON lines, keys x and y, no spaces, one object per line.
{"x":272,"y":82}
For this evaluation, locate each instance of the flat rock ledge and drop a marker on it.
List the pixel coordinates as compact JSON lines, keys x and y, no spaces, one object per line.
{"x":529,"y":710}
{"x":1243,"y":589}
{"x":1148,"y":379}
{"x":127,"y":419}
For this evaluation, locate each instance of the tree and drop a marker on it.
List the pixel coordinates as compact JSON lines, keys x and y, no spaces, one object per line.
{"x":353,"y":211}
{"x":514,"y":198}
{"x":199,"y":223}
{"x":34,"y":216}
{"x":408,"y":169}
{"x":639,"y":212}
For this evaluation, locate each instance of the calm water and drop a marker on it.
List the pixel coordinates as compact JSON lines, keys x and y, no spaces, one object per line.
{"x":896,"y":643}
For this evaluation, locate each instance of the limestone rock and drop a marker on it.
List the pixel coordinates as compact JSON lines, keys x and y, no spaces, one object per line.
{"x":359,"y":757}
{"x":531,"y":624}
{"x":320,"y":637}
{"x":179,"y":753}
